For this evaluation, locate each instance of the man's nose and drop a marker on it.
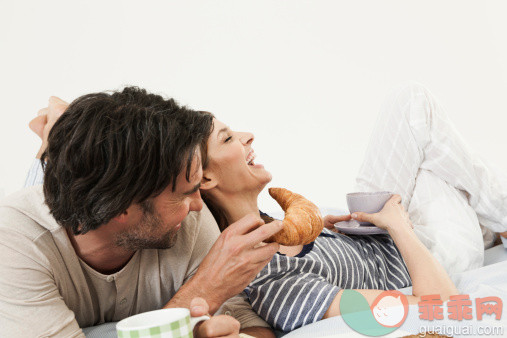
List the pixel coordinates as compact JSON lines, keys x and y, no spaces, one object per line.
{"x":196,"y":204}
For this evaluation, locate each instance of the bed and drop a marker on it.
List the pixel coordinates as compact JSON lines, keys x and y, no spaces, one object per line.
{"x":489,"y":280}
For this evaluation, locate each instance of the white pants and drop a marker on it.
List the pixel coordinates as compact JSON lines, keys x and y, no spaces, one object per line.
{"x":416,"y":152}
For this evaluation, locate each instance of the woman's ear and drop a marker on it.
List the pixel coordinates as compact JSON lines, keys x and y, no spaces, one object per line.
{"x":208,"y":182}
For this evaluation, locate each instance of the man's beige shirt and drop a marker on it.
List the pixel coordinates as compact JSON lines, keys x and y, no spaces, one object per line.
{"x":46,"y":289}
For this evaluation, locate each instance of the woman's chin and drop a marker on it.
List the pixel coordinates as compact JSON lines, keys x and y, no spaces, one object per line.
{"x":263,"y":179}
{"x":262,"y":175}
{"x":266,"y":180}
{"x":268,"y":177}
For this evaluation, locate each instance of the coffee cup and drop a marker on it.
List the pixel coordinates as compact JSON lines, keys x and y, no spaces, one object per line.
{"x":369,"y":202}
{"x":164,"y":323}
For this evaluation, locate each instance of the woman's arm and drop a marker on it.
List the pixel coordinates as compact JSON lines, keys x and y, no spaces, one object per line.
{"x":369,"y":295}
{"x":428,"y":276}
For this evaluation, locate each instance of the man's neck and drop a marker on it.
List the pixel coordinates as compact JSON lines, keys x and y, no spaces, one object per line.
{"x":97,"y":249}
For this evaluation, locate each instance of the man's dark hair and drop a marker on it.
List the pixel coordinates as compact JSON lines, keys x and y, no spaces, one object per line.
{"x":109,"y":150}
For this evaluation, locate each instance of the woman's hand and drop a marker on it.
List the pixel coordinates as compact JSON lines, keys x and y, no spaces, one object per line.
{"x":330,"y":220}
{"x":428,"y":276}
{"x":392,"y":216}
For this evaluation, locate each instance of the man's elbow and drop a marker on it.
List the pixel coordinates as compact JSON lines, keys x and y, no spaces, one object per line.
{"x":258,"y":332}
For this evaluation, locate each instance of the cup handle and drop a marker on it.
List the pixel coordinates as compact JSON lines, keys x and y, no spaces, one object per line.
{"x":195,"y":320}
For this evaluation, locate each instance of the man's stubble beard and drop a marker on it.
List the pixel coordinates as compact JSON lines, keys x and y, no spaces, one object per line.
{"x":141,"y":234}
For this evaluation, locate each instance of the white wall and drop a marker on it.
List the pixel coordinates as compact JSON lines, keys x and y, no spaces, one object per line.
{"x":307,"y":77}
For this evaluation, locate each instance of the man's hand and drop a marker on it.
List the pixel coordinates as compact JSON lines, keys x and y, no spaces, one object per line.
{"x":46,"y":118}
{"x":216,"y":326}
{"x":233,"y":262}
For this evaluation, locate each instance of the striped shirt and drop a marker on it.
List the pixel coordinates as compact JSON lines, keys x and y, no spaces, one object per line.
{"x":35,"y":174}
{"x":294,"y":291}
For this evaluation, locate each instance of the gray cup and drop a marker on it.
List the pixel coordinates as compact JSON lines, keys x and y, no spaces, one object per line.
{"x":369,"y":202}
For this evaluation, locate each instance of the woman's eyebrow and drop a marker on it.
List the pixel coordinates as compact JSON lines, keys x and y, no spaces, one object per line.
{"x":223,"y":130}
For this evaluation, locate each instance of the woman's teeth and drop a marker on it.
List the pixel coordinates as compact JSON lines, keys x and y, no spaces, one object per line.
{"x":250,"y":158}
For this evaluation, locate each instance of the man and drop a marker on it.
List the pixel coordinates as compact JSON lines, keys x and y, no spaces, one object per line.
{"x":115,"y":229}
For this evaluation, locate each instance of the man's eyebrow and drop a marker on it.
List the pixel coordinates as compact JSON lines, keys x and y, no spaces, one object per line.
{"x":223,"y":130}
{"x":193,"y":190}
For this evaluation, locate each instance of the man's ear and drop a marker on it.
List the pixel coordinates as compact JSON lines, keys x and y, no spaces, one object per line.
{"x":208,"y":182}
{"x":124,"y":216}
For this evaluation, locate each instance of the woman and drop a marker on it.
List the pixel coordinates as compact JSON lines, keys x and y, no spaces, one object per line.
{"x":304,"y":284}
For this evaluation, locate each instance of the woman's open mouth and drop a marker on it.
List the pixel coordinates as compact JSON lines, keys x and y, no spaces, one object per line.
{"x":250,"y":158}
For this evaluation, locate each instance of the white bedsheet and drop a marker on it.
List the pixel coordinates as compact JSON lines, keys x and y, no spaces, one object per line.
{"x":486,"y":281}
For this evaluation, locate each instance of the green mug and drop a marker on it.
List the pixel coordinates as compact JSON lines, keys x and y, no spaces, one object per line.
{"x":164,"y":323}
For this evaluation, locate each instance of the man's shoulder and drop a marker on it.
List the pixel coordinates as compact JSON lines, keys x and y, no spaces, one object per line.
{"x":196,"y":217}
{"x":201,"y":221}
{"x":25,"y":212}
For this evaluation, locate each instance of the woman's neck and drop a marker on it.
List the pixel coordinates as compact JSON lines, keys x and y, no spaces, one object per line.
{"x":237,"y":206}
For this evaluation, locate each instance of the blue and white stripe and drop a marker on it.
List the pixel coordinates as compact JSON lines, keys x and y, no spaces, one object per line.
{"x":35,"y":174}
{"x":294,"y":291}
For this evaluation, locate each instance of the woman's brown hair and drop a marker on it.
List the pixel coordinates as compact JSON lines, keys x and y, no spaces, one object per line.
{"x":215,"y":209}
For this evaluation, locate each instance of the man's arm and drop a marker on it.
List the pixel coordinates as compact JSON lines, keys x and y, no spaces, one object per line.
{"x":207,"y":233}
{"x":30,"y":303}
{"x":232,"y":263}
{"x":251,"y":324}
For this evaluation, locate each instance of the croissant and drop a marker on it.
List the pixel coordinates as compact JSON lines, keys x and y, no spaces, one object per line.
{"x":303,"y":221}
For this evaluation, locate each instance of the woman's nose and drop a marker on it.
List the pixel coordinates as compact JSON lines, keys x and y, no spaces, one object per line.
{"x":246,"y":138}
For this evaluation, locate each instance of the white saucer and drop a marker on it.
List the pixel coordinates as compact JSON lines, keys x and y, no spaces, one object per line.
{"x":352,"y":227}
